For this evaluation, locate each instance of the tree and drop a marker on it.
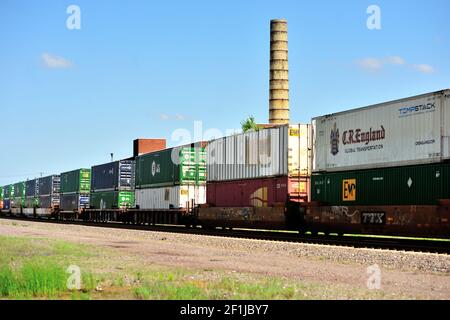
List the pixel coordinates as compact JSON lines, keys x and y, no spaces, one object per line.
{"x":249,"y":124}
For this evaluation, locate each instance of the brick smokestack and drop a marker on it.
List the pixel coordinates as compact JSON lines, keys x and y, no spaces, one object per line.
{"x":279,"y":72}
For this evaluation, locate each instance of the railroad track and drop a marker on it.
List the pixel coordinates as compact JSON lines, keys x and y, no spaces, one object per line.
{"x":398,"y":244}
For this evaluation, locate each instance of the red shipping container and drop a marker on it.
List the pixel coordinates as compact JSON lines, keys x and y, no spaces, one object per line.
{"x":265,"y":192}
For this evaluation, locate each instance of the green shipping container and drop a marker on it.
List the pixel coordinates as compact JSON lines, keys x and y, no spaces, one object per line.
{"x":410,"y":185}
{"x":10,"y":191}
{"x":112,"y":200}
{"x":76,"y":181}
{"x":18,"y":195}
{"x":157,"y":169}
{"x":31,"y":202}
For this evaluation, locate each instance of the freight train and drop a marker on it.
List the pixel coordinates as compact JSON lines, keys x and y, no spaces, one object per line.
{"x":382,"y":169}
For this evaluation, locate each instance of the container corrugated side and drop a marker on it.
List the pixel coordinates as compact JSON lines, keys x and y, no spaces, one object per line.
{"x":396,"y":133}
{"x":446,"y":126}
{"x":118,"y":175}
{"x":112,"y":200}
{"x":19,"y":189}
{"x":31,"y":187}
{"x":74,"y":201}
{"x":6,"y":204}
{"x":49,"y":185}
{"x":407,"y":185}
{"x":6,"y":191}
{"x":262,"y":192}
{"x":31,"y":202}
{"x":76,"y":181}
{"x":179,"y":165}
{"x":172,"y":197}
{"x":269,"y":152}
{"x":48,"y":201}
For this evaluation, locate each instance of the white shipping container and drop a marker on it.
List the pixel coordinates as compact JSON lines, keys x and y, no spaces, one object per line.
{"x":173,"y":197}
{"x":270,"y":152}
{"x":409,"y":131}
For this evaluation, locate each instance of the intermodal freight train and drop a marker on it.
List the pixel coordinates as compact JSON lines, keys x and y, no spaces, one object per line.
{"x":382,"y":169}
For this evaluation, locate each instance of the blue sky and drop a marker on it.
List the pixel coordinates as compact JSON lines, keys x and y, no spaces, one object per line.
{"x":145,"y":68}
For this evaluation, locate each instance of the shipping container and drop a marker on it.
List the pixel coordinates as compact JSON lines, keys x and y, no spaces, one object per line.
{"x":49,"y":185}
{"x":172,"y":197}
{"x":169,"y":167}
{"x":18,"y":202}
{"x":118,"y":175}
{"x":19,"y":189}
{"x":270,"y":152}
{"x":31,"y":187}
{"x":17,"y":195}
{"x":112,"y":200}
{"x":409,"y":131}
{"x":264,"y":192}
{"x":1,"y":193}
{"x":76,"y":181}
{"x":31,"y":202}
{"x":406,"y":185}
{"x":6,"y":191}
{"x":6,"y":204}
{"x":48,"y":201}
{"x":74,"y":201}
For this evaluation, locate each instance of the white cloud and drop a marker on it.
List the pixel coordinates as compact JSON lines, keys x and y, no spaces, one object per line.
{"x":371,"y":64}
{"x":54,"y":62}
{"x":180,"y":117}
{"x":424,"y":68}
{"x":163,"y":117}
{"x":396,"y":60}
{"x":167,"y":117}
{"x":377,"y":64}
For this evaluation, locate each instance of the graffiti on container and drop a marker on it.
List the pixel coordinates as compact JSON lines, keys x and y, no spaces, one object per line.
{"x":402,"y":218}
{"x":343,"y":211}
{"x":234,"y":214}
{"x":246,"y":214}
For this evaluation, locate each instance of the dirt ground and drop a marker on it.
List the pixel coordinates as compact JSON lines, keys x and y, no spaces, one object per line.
{"x":403,"y":274}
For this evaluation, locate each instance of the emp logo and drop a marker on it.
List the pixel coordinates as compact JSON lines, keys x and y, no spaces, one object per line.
{"x":349,"y":190}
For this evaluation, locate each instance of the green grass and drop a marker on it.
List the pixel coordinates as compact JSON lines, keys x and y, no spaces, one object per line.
{"x":32,"y":280}
{"x":179,"y":285}
{"x":35,"y":268}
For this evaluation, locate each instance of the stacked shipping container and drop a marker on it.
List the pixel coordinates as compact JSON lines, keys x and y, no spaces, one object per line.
{"x":7,"y":197}
{"x":75,"y":189}
{"x":48,"y":191}
{"x":31,"y":187}
{"x":112,"y":185}
{"x":17,"y":195}
{"x":259,"y":169}
{"x":387,"y":154}
{"x":171,"y":178}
